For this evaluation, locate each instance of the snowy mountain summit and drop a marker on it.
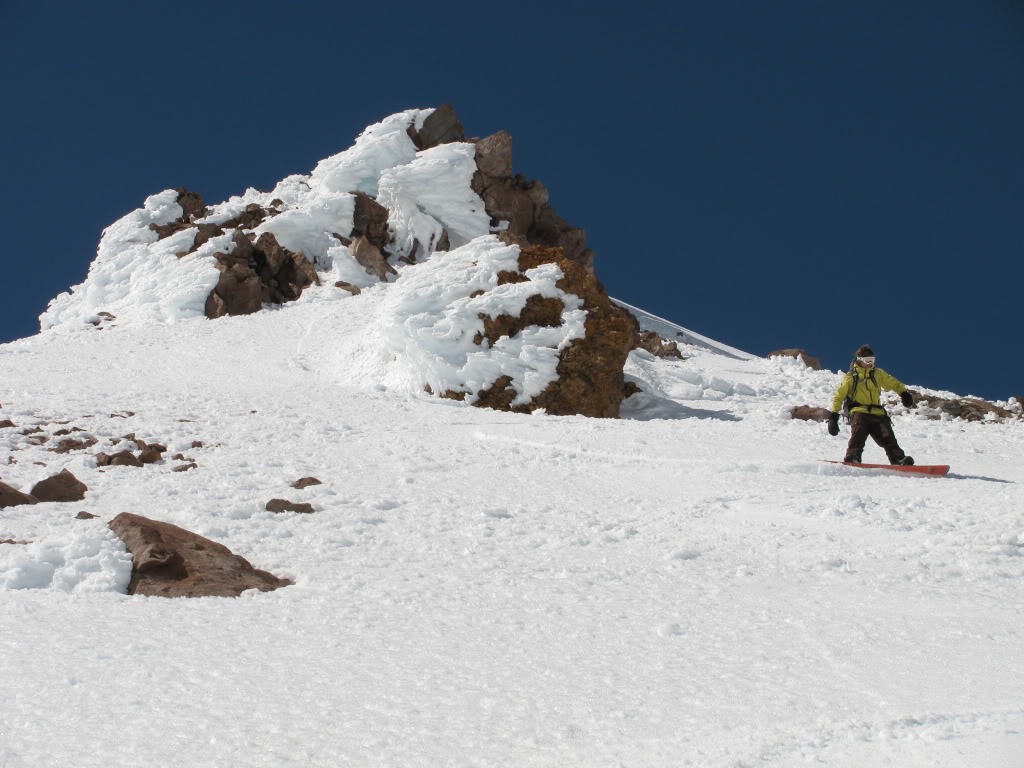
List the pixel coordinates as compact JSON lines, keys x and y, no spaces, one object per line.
{"x":495,"y":300}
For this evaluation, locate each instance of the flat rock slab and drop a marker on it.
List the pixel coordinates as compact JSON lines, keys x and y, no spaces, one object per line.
{"x":169,"y":561}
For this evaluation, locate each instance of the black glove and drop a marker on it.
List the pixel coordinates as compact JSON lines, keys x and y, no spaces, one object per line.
{"x":833,"y":424}
{"x":907,"y":399}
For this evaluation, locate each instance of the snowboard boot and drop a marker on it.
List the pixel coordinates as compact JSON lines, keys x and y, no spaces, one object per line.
{"x":906,"y":461}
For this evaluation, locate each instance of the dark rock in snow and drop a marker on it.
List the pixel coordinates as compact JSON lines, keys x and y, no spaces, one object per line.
{"x":305,"y":482}
{"x":255,"y":273}
{"x":590,"y":379}
{"x":441,"y":126}
{"x":60,"y":487}
{"x":658,"y":346}
{"x":810,"y":413}
{"x":283,"y":505}
{"x":169,"y":561}
{"x":11,"y":497}
{"x":69,"y":444}
{"x":122,"y":459}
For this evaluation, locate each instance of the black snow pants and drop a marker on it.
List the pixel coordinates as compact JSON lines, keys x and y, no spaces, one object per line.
{"x":879,"y":428}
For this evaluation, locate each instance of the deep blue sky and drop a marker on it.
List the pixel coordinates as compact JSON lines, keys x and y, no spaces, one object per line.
{"x":769,"y":174}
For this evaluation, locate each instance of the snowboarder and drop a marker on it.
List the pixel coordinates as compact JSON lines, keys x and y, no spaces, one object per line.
{"x":859,"y":396}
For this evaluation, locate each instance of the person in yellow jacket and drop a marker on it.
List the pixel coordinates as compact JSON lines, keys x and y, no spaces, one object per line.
{"x":863,"y":385}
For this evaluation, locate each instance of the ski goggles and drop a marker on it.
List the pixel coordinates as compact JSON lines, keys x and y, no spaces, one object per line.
{"x":867,"y":360}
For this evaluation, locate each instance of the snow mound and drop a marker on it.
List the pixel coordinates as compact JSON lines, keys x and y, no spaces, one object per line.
{"x":137,"y":277}
{"x":426,"y":328}
{"x":85,"y":558}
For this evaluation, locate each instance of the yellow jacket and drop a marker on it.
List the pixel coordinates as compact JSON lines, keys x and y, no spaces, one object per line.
{"x":866,"y":398}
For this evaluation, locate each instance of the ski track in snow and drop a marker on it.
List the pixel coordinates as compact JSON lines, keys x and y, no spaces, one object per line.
{"x":480,"y":588}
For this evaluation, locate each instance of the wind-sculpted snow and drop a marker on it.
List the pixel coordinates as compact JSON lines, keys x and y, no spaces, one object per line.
{"x":432,"y":195}
{"x":140,"y":278}
{"x":425,"y":328}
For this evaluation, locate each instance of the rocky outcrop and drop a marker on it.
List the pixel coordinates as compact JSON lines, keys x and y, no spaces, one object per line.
{"x":12,"y":497}
{"x":524,"y":204}
{"x":811,"y":362}
{"x":590,"y":378}
{"x":257,"y":272}
{"x":305,"y":482}
{"x":169,"y":561}
{"x":657,"y":346}
{"x":966,"y":408}
{"x":507,"y":196}
{"x":60,"y":487}
{"x":442,"y":126}
{"x":192,"y":207}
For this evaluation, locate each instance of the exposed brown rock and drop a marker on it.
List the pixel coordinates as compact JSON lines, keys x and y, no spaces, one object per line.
{"x":370,"y":258}
{"x":590,"y":379}
{"x":658,"y":346}
{"x":7,"y":424}
{"x":810,"y":413}
{"x":193,"y":208}
{"x":69,"y":444}
{"x":123,"y":459}
{"x":169,"y":561}
{"x":185,"y":467}
{"x":370,"y":220}
{"x":811,"y":362}
{"x":538,"y":311}
{"x":85,"y":516}
{"x":967,"y":408}
{"x":251,"y":217}
{"x":348,"y":287}
{"x":283,"y":505}
{"x":305,"y":482}
{"x":191,"y":203}
{"x":12,"y":497}
{"x":60,"y":487}
{"x":441,"y":126}
{"x":254,"y":273}
{"x":14,"y":541}
{"x":494,"y":154}
{"x":197,"y":443}
{"x":238,"y":291}
{"x":152,"y":454}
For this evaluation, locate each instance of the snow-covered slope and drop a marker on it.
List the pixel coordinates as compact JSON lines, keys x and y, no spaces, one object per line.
{"x":484,"y":588}
{"x":687,"y":585}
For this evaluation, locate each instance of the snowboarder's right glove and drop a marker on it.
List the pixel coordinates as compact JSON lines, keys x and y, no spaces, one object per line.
{"x":907,"y":399}
{"x":833,"y":424}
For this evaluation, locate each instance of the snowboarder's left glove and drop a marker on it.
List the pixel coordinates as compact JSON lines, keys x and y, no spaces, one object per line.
{"x":907,"y":399}
{"x":833,"y":424}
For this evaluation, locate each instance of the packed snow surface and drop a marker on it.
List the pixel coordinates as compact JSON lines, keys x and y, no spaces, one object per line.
{"x":687,"y":586}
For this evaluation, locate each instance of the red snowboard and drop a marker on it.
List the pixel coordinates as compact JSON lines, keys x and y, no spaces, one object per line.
{"x":917,"y":469}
